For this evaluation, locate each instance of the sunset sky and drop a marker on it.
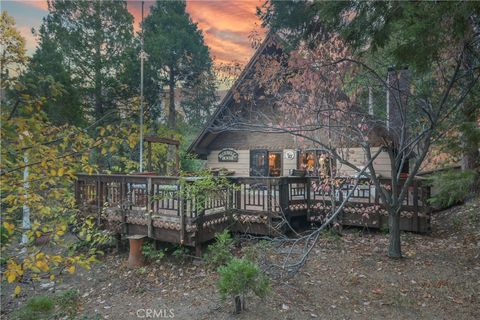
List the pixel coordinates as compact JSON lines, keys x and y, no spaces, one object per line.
{"x":226,"y":25}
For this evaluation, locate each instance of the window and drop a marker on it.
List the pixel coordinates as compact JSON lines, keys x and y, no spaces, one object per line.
{"x":265,"y":163}
{"x":316,"y":162}
{"x":274,"y":164}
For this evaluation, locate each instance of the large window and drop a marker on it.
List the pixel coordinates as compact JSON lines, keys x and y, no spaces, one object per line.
{"x":274,"y":164}
{"x":316,"y":162}
{"x":265,"y":163}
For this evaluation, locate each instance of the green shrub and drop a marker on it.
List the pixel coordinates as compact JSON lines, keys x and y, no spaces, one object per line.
{"x":181,"y":253}
{"x":450,"y":187}
{"x":219,"y":253}
{"x":40,"y":307}
{"x":61,"y":306}
{"x":152,"y":254}
{"x":240,"y":277}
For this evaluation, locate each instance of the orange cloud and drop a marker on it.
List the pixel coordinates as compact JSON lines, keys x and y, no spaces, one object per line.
{"x":39,"y":4}
{"x":226,"y":25}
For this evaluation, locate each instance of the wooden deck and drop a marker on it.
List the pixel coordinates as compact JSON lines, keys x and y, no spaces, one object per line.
{"x":151,"y":206}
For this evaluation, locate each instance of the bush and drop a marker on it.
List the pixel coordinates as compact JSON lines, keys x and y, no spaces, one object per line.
{"x":40,"y":307}
{"x":240,"y":277}
{"x":181,"y":254}
{"x":152,"y":254}
{"x":61,"y":306}
{"x":451,"y":187}
{"x":219,"y":253}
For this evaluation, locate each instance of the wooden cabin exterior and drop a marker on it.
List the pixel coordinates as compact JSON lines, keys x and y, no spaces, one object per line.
{"x":267,"y":194}
{"x":245,"y":153}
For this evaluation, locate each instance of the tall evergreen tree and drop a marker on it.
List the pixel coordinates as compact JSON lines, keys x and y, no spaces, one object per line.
{"x":48,"y":70}
{"x":177,"y":54}
{"x":92,"y":37}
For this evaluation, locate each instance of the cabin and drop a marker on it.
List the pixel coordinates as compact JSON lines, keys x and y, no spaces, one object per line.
{"x":248,"y":152}
{"x":275,"y":179}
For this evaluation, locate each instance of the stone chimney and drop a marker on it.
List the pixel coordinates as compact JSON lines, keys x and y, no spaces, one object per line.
{"x":398,"y":81}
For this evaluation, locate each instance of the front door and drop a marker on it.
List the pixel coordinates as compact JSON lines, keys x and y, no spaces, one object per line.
{"x":259,"y":163}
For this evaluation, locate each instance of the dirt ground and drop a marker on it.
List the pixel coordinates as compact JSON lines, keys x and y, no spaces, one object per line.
{"x":347,"y":277}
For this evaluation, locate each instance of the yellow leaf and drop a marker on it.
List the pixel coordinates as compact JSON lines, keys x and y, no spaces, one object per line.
{"x":53,"y":172}
{"x":71,"y":269}
{"x":52,"y":277}
{"x":61,"y":171}
{"x":60,"y":233}
{"x":17,"y":290}
{"x":42,"y":266}
{"x":57,"y":259}
{"x":11,"y":277}
{"x":102,"y":131}
{"x":9,"y":227}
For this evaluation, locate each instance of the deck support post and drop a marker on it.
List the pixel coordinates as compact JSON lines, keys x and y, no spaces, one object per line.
{"x":308,"y":190}
{"x":198,"y":250}
{"x":135,"y":256}
{"x":119,"y":243}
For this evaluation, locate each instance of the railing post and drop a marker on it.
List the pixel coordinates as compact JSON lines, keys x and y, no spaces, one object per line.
{"x":123,"y":197}
{"x":308,"y":197}
{"x":149,"y":211}
{"x":230,"y":198}
{"x":238,"y":197}
{"x":99,"y":199}
{"x":284,"y":196}
{"x":182,"y":208}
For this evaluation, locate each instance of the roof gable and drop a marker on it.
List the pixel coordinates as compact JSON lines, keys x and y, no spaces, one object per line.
{"x":206,"y":135}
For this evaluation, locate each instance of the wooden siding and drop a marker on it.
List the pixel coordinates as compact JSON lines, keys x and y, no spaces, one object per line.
{"x":241,"y":168}
{"x":354,"y":155}
{"x":358,"y":158}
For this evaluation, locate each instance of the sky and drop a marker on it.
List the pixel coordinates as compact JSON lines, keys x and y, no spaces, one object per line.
{"x":226,"y":24}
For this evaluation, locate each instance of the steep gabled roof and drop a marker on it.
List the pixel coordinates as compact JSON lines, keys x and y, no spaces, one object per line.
{"x":228,"y":98}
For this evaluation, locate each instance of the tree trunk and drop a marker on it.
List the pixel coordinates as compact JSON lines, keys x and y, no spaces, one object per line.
{"x":172,"y":121}
{"x":394,"y":248}
{"x":26,"y":225}
{"x":469,"y":118}
{"x":172,"y":116}
{"x":470,"y":154}
{"x":239,"y":304}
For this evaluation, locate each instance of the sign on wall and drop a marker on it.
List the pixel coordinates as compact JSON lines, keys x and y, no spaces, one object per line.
{"x":289,"y":154}
{"x":228,"y":155}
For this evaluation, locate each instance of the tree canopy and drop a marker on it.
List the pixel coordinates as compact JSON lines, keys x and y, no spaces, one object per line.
{"x":92,"y":38}
{"x":13,"y":53}
{"x":177,"y":54}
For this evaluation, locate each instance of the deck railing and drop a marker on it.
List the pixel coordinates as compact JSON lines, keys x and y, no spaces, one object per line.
{"x":257,"y":199}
